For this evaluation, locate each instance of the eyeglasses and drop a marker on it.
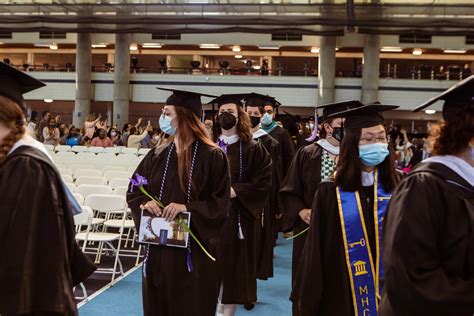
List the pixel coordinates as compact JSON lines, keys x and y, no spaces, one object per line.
{"x":372,"y":140}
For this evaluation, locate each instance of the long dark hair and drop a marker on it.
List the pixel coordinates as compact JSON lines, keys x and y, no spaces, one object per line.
{"x":322,"y":131}
{"x":189,"y":128}
{"x":243,"y":126}
{"x":13,"y":118}
{"x":348,"y":175}
{"x":454,"y":136}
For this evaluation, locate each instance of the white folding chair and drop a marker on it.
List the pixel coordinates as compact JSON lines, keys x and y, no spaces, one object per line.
{"x":126,"y":150}
{"x":67,"y":178}
{"x":143,"y":151}
{"x":127,"y":156}
{"x":62,"y":148}
{"x":121,"y":190}
{"x":65,"y":171}
{"x":83,"y":219}
{"x":65,"y":154}
{"x":79,"y":198}
{"x":79,"y":149}
{"x":112,"y":150}
{"x":96,"y":150}
{"x":117,"y":174}
{"x":71,"y":186}
{"x":49,"y":147}
{"x":87,"y":172}
{"x":113,"y":168}
{"x":118,"y":182}
{"x":91,"y":180}
{"x":107,"y":204}
{"x":85,"y":155}
{"x":76,"y":165}
{"x":88,"y":189}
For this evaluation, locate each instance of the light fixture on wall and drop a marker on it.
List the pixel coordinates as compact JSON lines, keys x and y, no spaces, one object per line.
{"x":133,"y":47}
{"x":315,"y":50}
{"x":430,"y":112}
{"x":152,"y":45}
{"x":391,"y":49}
{"x":236,"y":49}
{"x":417,"y":52}
{"x":454,"y":51}
{"x":210,"y":46}
{"x":100,"y":45}
{"x":48,"y":100}
{"x":53,"y":46}
{"x":238,"y":56}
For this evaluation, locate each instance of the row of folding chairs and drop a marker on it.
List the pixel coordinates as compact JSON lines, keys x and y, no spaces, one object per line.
{"x":97,"y":150}
{"x":89,"y":172}
{"x":82,"y":155}
{"x":85,"y":180}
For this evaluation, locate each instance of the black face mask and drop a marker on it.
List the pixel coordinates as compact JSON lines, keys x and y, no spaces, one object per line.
{"x":254,"y":120}
{"x":227,"y":120}
{"x":53,"y":125}
{"x":337,"y":133}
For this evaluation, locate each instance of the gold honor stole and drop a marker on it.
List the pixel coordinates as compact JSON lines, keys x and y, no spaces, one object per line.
{"x":365,"y":286}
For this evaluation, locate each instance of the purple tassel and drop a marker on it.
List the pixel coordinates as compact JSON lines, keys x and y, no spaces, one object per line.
{"x":189,"y":260}
{"x":222,"y":145}
{"x":314,"y":134}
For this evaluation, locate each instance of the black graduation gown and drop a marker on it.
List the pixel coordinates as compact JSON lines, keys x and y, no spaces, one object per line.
{"x":265,"y":240}
{"x":297,"y":193}
{"x":40,"y":261}
{"x":169,"y":288}
{"x":428,"y":242}
{"x":239,"y":263}
{"x":287,"y":146}
{"x":322,"y":286}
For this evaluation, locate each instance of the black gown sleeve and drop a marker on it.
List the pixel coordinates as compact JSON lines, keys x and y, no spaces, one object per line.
{"x":291,"y":192}
{"x":288,"y":150}
{"x":414,"y":228}
{"x":253,"y":192}
{"x":308,"y":285}
{"x":209,"y":215}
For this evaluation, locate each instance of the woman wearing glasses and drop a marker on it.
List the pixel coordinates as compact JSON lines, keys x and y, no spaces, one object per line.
{"x":340,"y":267}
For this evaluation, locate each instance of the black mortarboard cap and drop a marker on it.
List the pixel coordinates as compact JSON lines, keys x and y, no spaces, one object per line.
{"x":332,"y":108}
{"x":228,"y":98}
{"x":186,"y":99}
{"x":364,"y":116}
{"x":14,"y":83}
{"x":256,"y":99}
{"x":456,"y":99}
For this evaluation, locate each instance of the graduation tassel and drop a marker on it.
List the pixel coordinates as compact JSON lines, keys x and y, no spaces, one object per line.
{"x":241,"y":234}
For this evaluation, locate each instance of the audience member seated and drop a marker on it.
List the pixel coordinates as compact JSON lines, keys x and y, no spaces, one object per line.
{"x":115,"y":137}
{"x":51,"y":134}
{"x":74,"y":137}
{"x":102,"y":140}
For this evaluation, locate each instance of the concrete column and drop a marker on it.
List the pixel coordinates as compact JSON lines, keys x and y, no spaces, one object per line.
{"x":82,"y":104}
{"x":327,"y":70}
{"x":371,"y":69}
{"x":121,"y":79}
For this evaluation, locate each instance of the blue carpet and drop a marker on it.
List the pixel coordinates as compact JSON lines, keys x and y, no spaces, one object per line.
{"x":125,"y":297}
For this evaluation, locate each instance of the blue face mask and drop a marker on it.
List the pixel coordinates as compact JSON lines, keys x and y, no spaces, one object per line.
{"x":267,"y":119}
{"x":373,"y":154}
{"x":165,"y":125}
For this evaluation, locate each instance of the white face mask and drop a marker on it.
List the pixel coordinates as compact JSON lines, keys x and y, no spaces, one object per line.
{"x":266,"y":119}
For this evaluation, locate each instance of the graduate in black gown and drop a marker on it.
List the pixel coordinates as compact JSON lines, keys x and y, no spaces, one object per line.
{"x":188,"y":174}
{"x":269,"y":125}
{"x":40,"y":260}
{"x":311,"y":164}
{"x":266,"y":230}
{"x":251,"y":174}
{"x":339,"y":267}
{"x":429,"y":226}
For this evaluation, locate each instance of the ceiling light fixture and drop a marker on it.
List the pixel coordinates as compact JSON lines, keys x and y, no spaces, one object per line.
{"x":417,"y":52}
{"x":48,"y":100}
{"x":269,"y":47}
{"x":236,"y":49}
{"x":53,"y":46}
{"x":210,"y":46}
{"x":430,"y":112}
{"x":315,"y":50}
{"x":133,"y":47}
{"x":238,"y":56}
{"x":101,"y":45}
{"x":152,"y":45}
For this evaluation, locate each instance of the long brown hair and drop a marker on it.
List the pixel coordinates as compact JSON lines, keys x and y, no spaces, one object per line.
{"x":13,"y":118}
{"x":244,"y":130}
{"x":348,"y":174}
{"x":190,"y":128}
{"x":322,"y":131}
{"x":454,"y":136}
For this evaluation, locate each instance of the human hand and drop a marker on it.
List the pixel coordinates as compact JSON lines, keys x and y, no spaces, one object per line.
{"x":305,"y":215}
{"x":152,"y":208}
{"x":173,"y":209}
